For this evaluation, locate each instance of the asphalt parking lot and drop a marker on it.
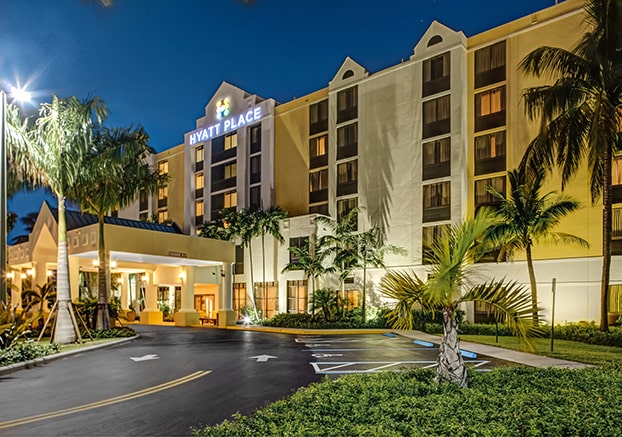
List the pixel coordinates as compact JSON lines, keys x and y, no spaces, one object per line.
{"x":369,"y":353}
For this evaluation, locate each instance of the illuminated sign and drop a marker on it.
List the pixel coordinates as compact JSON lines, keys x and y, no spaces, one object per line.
{"x":222,"y":108}
{"x":227,"y":125}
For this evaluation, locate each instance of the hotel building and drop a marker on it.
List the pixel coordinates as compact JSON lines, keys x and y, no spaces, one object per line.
{"x":414,"y":146}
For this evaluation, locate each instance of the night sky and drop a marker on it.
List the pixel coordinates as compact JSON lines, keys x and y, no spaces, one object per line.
{"x":156,"y":63}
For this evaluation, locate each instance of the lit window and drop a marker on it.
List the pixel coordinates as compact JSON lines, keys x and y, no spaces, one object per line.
{"x":162,"y":216}
{"x":318,"y":146}
{"x":318,"y":180}
{"x":199,"y":208}
{"x":231,"y":170}
{"x":231,"y":141}
{"x":231,"y":199}
{"x":616,"y":171}
{"x":162,"y":193}
{"x":163,"y":167}
{"x":490,"y":102}
{"x":199,"y":181}
{"x":199,"y":154}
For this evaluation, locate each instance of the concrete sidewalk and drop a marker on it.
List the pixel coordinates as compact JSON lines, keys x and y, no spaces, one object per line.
{"x":524,"y":358}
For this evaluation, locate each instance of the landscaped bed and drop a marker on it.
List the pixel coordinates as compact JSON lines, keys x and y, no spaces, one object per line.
{"x":505,"y":402}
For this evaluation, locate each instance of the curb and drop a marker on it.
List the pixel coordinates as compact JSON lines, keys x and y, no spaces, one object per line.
{"x":49,"y":358}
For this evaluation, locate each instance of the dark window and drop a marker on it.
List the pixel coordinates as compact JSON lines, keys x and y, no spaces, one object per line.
{"x":224,"y":176}
{"x":238,"y":267}
{"x":347,"y":178}
{"x":224,"y":147}
{"x":616,"y":231}
{"x":318,"y":117}
{"x":436,"y":158}
{"x":143,"y":202}
{"x":255,"y":197}
{"x":239,"y":299}
{"x":436,"y":202}
{"x":221,"y":201}
{"x":255,"y":138}
{"x":347,"y":141}
{"x":347,"y":74}
{"x":482,"y":196}
{"x":318,"y":186}
{"x":490,"y":109}
{"x":344,"y":206}
{"x":318,"y":151}
{"x":299,"y":242}
{"x":490,"y":65}
{"x":616,"y":179}
{"x":436,"y":117}
{"x":143,"y":216}
{"x":436,"y":39}
{"x":319,"y":209}
{"x":267,"y":301}
{"x":490,"y":153}
{"x":297,"y":296}
{"x":347,"y":104}
{"x":436,"y":74}
{"x":255,"y":169}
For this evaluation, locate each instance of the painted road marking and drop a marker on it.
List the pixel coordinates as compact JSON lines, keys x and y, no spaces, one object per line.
{"x":145,"y":358}
{"x":115,"y":400}
{"x":340,"y":367}
{"x":263,"y":358}
{"x":371,"y":349}
{"x":326,"y":355}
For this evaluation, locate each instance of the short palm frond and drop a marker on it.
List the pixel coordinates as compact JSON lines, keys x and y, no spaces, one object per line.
{"x":408,"y":290}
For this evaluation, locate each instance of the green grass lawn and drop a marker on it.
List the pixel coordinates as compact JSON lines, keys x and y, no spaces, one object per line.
{"x":563,"y":349}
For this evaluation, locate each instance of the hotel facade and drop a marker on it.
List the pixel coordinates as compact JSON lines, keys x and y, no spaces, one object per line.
{"x":414,"y":146}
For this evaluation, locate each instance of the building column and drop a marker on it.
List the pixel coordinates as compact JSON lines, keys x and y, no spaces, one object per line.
{"x":15,"y":288}
{"x":187,"y":315}
{"x":150,"y":315}
{"x":74,"y":278}
{"x":124,"y":291}
{"x":226,"y":315}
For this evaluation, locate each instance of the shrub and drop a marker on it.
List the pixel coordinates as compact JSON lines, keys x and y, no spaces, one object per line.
{"x":508,"y":401}
{"x":348,"y":320}
{"x":25,"y":351}
{"x":109,"y":333}
{"x":14,"y":326}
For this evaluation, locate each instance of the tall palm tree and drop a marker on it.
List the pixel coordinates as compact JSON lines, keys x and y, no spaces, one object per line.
{"x":527,"y":217}
{"x":55,"y":156}
{"x":115,"y":171}
{"x":580,"y":112}
{"x":449,"y":284}
{"x":268,"y":222}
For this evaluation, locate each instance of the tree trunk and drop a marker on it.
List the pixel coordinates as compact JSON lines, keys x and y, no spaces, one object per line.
{"x":534,"y":290}
{"x":102,"y":317}
{"x":252,"y":294}
{"x":64,"y":333}
{"x":263,"y":273}
{"x":450,"y":363}
{"x":364,"y":288}
{"x":604,"y":281}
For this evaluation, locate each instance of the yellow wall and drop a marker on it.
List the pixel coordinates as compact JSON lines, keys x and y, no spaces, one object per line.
{"x":558,"y":26}
{"x":177,"y":172}
{"x":291,"y":153}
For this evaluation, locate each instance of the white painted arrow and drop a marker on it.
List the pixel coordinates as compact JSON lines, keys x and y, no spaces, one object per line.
{"x":145,"y":357}
{"x":263,"y":358}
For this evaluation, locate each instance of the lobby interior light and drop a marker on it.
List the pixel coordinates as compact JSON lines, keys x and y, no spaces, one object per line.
{"x":113,"y":264}
{"x":49,"y":273}
{"x":30,"y":272}
{"x":10,"y":275}
{"x":119,"y":280}
{"x":95,"y":263}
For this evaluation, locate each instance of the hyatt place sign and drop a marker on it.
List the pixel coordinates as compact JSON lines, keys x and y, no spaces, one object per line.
{"x":226,"y":125}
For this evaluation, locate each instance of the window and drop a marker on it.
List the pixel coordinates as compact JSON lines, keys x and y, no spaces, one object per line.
{"x":436,"y":39}
{"x":199,"y":157}
{"x":231,"y":141}
{"x":224,"y":176}
{"x":255,"y":169}
{"x":490,"y":65}
{"x":267,"y":298}
{"x":490,"y":109}
{"x":163,"y":167}
{"x":238,"y":268}
{"x":318,"y":186}
{"x":347,"y":104}
{"x":616,"y":231}
{"x":436,"y":200}
{"x":347,"y":141}
{"x":436,"y":74}
{"x":347,"y":74}
{"x":296,"y":296}
{"x":143,"y":202}
{"x":255,"y":138}
{"x":223,"y":201}
{"x":429,"y":236}
{"x":436,"y":116}
{"x":255,"y":197}
{"x":436,"y":158}
{"x":615,"y":299}
{"x":239,"y":299}
{"x":319,"y":209}
{"x":162,"y":216}
{"x":300,"y":243}
{"x":231,"y":199}
{"x":616,"y":179}
{"x":318,"y":151}
{"x":482,"y":196}
{"x":490,"y":153}
{"x":162,"y":196}
{"x":199,"y":183}
{"x":344,"y":206}
{"x":318,"y":117}
{"x":199,"y":210}
{"x":347,"y":178}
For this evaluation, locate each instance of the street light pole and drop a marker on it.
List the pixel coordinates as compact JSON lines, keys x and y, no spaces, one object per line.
{"x":3,"y":201}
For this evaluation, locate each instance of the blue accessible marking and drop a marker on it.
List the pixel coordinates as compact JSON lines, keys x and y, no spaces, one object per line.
{"x":388,"y":334}
{"x":468,"y":354}
{"x":423,"y":343}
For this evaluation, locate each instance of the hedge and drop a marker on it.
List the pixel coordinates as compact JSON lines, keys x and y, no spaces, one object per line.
{"x":25,"y":351}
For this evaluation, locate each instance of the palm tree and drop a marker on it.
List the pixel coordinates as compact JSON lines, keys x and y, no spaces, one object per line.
{"x":526,"y":217}
{"x":268,"y":223}
{"x":580,"y":112}
{"x":54,"y":156}
{"x":449,"y":284}
{"x":115,"y":171}
{"x":371,"y":252}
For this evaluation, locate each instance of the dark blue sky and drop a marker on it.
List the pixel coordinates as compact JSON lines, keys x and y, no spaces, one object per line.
{"x":157,"y":62}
